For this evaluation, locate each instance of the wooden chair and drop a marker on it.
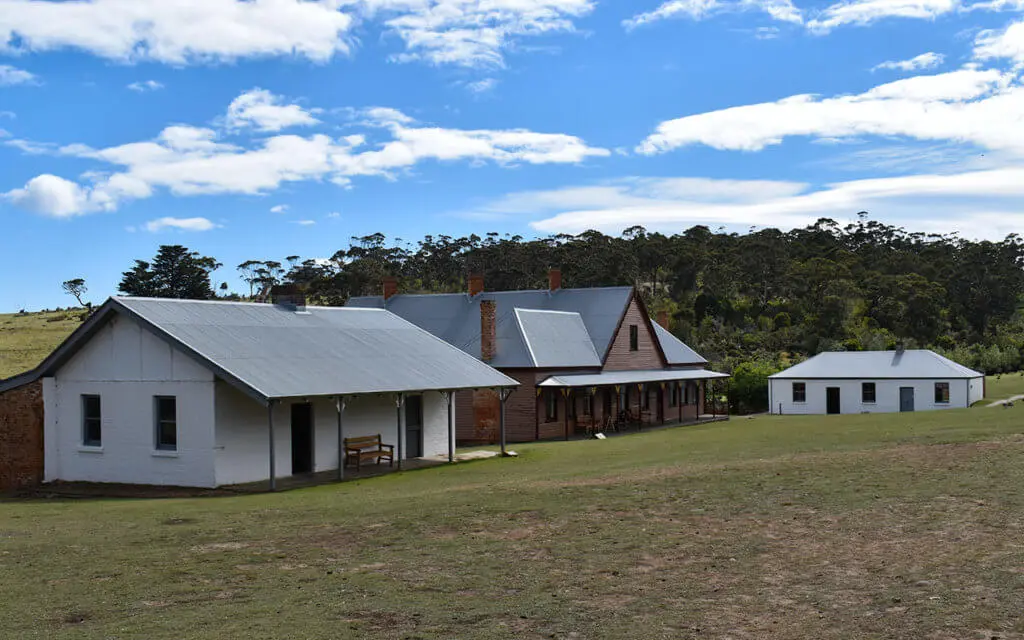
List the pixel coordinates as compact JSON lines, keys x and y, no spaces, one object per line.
{"x":368,"y":447}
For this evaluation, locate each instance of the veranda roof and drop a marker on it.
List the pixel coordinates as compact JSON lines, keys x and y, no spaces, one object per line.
{"x":609,"y":378}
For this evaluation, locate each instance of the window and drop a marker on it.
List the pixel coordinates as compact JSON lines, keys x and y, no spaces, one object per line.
{"x":634,"y":337}
{"x":941,"y":393}
{"x":673,"y":396}
{"x":587,"y":401}
{"x":550,"y":405}
{"x":645,"y":397}
{"x":92,"y":428}
{"x":867,"y":393}
{"x":799,"y":392}
{"x":166,"y":423}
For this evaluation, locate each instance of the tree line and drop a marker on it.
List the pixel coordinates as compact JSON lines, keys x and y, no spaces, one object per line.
{"x":765,"y":299}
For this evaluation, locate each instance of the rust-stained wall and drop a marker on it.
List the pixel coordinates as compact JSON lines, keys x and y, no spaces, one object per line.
{"x":21,"y":437}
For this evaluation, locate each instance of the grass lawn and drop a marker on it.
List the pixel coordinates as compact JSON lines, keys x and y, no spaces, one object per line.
{"x":1004,"y":385}
{"x":881,"y":526}
{"x":26,"y":339}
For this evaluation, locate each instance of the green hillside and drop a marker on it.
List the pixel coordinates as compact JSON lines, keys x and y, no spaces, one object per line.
{"x":25,"y":339}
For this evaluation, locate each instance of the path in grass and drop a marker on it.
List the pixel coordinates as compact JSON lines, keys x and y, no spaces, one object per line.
{"x":1004,"y":385}
{"x":901,"y":526}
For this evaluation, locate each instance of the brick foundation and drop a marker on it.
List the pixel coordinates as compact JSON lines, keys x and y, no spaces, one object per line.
{"x":21,"y":437}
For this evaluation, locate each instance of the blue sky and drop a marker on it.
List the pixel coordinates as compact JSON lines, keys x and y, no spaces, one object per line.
{"x":264,"y":128}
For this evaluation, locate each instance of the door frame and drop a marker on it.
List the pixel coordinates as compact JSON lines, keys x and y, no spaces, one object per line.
{"x":422,"y":427}
{"x":312,"y":435}
{"x":837,"y":393}
{"x":913,"y":399}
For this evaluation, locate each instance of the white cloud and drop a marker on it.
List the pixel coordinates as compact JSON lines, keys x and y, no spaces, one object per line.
{"x":820,"y":21}
{"x":334,"y":215}
{"x":281,"y":208}
{"x":976,"y":204}
{"x":178,"y":32}
{"x":471,"y":33}
{"x":181,"y":224}
{"x":187,"y":160}
{"x":928,"y":60}
{"x":863,"y":12}
{"x":10,"y":76}
{"x":146,"y":85}
{"x":304,"y":223}
{"x":1005,"y":43}
{"x":970,"y":106}
{"x":482,"y":86}
{"x":262,"y":110}
{"x":53,"y":196}
{"x":383,"y":116}
{"x":781,"y":10}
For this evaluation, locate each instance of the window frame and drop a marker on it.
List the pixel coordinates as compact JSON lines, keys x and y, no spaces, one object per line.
{"x":941,"y":393}
{"x":634,"y":337}
{"x":159,"y":421}
{"x":802,"y":393}
{"x":86,"y":419}
{"x":673,"y":397}
{"x":864,"y":386}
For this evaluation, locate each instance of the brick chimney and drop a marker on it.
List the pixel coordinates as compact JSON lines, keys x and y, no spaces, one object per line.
{"x":663,"y":318}
{"x":554,"y":280}
{"x":476,"y":284}
{"x":390,"y":287}
{"x":488,"y":330}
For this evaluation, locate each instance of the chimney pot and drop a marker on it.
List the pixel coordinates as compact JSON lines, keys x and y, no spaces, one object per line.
{"x":476,"y":284}
{"x":554,"y":279}
{"x":390,"y":287}
{"x":488,"y":330}
{"x":663,"y":319}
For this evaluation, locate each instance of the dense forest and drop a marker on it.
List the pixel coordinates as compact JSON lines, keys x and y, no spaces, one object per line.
{"x":751,"y":303}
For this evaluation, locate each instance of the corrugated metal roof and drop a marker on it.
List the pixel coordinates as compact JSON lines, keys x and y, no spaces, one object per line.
{"x":629,"y":377}
{"x":455,"y":317}
{"x":910,"y":364}
{"x":676,"y":351}
{"x":279,"y":353}
{"x":557,"y":339}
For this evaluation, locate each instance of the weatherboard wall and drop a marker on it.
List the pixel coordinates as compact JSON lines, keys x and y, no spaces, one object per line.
{"x":243,"y":436}
{"x":128,"y":367}
{"x":962,"y":393}
{"x":621,"y":357}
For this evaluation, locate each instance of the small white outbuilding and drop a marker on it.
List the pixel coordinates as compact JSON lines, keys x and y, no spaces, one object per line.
{"x":874,"y":382}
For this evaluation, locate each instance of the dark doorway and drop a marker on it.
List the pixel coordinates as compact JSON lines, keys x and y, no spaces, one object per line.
{"x":832,"y":400}
{"x":659,"y":408}
{"x":414,"y":427}
{"x":906,"y":399}
{"x":302,"y":438}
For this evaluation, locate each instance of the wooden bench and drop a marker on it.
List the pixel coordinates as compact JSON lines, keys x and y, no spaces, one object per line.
{"x":368,"y":447}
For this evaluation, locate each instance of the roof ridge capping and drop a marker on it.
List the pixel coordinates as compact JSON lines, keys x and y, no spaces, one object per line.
{"x":881,"y":364}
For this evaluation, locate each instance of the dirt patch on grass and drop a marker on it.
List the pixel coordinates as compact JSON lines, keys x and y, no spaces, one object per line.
{"x":214,"y":547}
{"x":75,"y":617}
